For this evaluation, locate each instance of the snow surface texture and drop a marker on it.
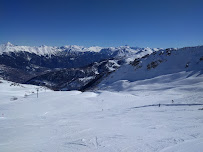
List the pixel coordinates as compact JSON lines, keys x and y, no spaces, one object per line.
{"x":126,"y":121}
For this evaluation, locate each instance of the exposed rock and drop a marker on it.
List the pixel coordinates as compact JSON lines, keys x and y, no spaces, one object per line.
{"x":154,"y":64}
{"x":136,"y":62}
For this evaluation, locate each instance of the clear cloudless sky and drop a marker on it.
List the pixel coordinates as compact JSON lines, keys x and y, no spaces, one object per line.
{"x":143,"y":23}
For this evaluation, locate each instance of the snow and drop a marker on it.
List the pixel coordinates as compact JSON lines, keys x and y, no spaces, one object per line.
{"x":41,"y":50}
{"x":46,"y":50}
{"x":51,"y":50}
{"x":124,"y":117}
{"x":167,"y":64}
{"x":156,"y":109}
{"x":191,"y":145}
{"x":95,"y":48}
{"x":113,"y":65}
{"x":86,"y":79}
{"x":82,"y":48}
{"x":10,"y":90}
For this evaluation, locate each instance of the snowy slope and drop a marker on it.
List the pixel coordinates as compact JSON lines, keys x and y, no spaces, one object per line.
{"x":11,"y":91}
{"x":163,"y":62}
{"x":105,"y":121}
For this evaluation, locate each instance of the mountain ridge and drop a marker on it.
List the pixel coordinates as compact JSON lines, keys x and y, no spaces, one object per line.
{"x":169,"y":62}
{"x":53,"y":50}
{"x":80,"y":69}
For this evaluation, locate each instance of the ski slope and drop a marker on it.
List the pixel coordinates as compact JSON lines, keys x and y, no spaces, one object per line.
{"x":124,"y":117}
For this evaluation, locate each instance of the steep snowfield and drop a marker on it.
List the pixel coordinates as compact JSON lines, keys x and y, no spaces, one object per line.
{"x":163,"y":62}
{"x":126,"y":120}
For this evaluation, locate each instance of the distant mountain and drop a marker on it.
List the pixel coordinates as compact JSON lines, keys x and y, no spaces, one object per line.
{"x":77,"y":78}
{"x":22,"y":63}
{"x":49,"y":51}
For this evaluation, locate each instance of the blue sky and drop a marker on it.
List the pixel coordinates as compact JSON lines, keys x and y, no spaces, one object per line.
{"x":143,"y":23}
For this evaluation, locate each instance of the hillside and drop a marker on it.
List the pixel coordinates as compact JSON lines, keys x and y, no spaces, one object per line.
{"x":76,"y":78}
{"x":171,"y":64}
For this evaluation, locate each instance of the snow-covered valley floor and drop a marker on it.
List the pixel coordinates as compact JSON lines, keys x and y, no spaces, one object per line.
{"x":105,"y":120}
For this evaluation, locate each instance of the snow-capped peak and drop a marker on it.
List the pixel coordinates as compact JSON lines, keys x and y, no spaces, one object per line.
{"x":44,"y":50}
{"x":82,"y":48}
{"x":95,"y":48}
{"x":9,"y":44}
{"x":41,"y":50}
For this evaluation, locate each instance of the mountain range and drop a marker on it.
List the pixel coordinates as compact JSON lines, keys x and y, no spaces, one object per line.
{"x":25,"y":64}
{"x":80,"y":68}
